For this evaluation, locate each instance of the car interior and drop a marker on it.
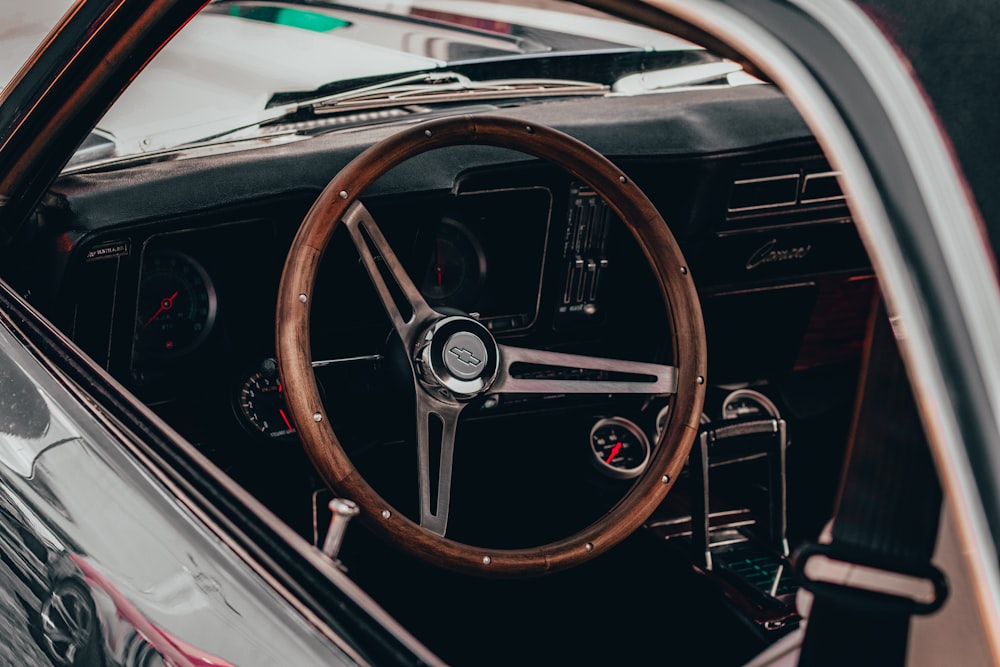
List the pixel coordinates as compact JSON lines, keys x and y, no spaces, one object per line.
{"x":166,"y":272}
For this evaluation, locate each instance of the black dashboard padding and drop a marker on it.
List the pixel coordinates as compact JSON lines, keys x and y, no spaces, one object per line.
{"x":696,"y":123}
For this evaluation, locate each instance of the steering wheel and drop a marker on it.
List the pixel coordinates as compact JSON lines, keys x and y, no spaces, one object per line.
{"x":454,"y":358}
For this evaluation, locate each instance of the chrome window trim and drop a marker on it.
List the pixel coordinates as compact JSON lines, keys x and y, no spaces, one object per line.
{"x":967,"y":262}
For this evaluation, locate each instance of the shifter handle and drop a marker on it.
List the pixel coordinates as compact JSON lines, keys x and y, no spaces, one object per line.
{"x":342,"y":511}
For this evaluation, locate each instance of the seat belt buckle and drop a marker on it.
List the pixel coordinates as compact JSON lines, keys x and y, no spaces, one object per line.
{"x":851,"y":576}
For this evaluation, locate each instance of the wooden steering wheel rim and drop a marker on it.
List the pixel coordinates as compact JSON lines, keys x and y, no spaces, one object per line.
{"x":687,"y":338}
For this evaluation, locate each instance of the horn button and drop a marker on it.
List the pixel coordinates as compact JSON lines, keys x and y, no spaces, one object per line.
{"x":465,"y":355}
{"x":458,"y":357}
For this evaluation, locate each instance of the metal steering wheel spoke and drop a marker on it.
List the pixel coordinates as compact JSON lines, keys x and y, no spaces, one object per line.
{"x":400,"y":297}
{"x":596,"y":375}
{"x":436,"y":425}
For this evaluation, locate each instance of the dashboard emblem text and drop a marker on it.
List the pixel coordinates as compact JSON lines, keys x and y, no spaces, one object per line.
{"x":770,"y":253}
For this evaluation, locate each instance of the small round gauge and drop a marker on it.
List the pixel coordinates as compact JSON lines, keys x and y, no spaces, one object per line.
{"x":261,"y":402}
{"x":747,"y":404}
{"x":661,"y":420}
{"x":176,"y":307}
{"x":457,"y":268}
{"x":620,"y":448}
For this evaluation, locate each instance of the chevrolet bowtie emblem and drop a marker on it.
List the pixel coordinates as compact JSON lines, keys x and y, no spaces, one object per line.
{"x":465,"y":356}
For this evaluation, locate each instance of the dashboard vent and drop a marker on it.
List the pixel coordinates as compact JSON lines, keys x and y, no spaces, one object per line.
{"x":584,"y":254}
{"x":784,"y":192}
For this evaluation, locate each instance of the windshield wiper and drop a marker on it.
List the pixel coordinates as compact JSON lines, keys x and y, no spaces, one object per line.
{"x":402,"y":96}
{"x":439,"y":87}
{"x":422,"y":87}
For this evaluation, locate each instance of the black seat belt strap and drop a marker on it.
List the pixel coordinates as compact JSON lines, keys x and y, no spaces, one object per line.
{"x":886,"y":518}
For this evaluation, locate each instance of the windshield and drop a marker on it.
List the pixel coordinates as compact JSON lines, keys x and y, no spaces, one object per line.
{"x":244,"y":65}
{"x":24,"y":26}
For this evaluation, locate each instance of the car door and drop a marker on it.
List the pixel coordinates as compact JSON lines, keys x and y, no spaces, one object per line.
{"x":895,"y":93}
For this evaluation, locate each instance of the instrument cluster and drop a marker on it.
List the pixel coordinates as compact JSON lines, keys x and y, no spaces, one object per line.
{"x":203,"y":319}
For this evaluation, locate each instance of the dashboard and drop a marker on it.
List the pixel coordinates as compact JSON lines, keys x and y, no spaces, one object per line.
{"x":175,"y":296}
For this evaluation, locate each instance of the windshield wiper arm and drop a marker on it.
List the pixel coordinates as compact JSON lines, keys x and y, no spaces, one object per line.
{"x":234,"y":124}
{"x":411,"y":81}
{"x":426,"y":87}
{"x":438,"y":87}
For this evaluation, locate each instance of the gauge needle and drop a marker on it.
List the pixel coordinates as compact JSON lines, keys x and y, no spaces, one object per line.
{"x":284,"y":417}
{"x":166,"y":304}
{"x":438,"y":267}
{"x":614,"y":452}
{"x":281,"y":411}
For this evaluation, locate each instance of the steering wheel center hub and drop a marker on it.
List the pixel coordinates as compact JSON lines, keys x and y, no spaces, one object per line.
{"x":465,"y":355}
{"x":459,"y":355}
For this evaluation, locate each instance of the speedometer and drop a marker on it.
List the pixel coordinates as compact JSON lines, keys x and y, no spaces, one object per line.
{"x":176,"y":306}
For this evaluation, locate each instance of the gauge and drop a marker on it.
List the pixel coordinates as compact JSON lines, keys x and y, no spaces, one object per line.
{"x":176,"y":307}
{"x":620,"y":448}
{"x":661,"y":420}
{"x":261,"y":402}
{"x":456,"y":269}
{"x":747,"y":403}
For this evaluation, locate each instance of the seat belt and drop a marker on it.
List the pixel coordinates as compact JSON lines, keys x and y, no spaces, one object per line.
{"x":886,"y":518}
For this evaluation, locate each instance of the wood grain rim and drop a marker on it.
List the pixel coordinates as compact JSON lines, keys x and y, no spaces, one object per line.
{"x":687,"y":338}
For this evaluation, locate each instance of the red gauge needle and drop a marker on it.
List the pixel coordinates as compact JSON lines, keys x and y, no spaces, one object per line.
{"x":281,"y":411}
{"x":614,"y":452}
{"x":284,"y":417}
{"x":438,"y":267}
{"x":165,"y":304}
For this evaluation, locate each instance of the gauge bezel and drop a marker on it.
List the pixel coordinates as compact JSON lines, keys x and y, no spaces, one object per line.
{"x":767,"y":404}
{"x":661,"y":421}
{"x":616,"y":472}
{"x":245,"y":419}
{"x":470,"y":289}
{"x":211,"y":313}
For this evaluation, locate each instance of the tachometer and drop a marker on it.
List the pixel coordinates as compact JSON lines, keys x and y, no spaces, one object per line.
{"x":456,"y":271}
{"x":261,"y":402}
{"x":176,"y":306}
